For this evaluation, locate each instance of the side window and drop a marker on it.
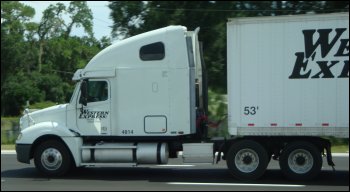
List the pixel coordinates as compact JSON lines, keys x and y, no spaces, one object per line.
{"x":153,"y":51}
{"x":97,"y":91}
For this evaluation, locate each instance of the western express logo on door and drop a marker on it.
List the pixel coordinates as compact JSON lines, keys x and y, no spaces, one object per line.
{"x":325,"y":48}
{"x":87,"y":114}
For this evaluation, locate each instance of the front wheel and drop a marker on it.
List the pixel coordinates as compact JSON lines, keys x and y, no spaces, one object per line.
{"x":247,"y":160}
{"x":52,"y":158}
{"x":300,"y":161}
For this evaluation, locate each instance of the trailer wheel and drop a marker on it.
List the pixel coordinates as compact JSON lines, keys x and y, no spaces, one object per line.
{"x":300,"y":161}
{"x":52,"y":158}
{"x":247,"y":160}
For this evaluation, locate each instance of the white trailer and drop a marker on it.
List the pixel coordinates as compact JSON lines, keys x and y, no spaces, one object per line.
{"x":144,"y":99}
{"x":288,"y":85}
{"x":289,"y":75}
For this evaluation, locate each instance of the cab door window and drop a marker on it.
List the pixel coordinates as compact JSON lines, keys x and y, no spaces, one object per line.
{"x":97,"y":91}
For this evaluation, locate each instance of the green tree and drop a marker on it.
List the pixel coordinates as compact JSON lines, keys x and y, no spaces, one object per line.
{"x":127,"y":17}
{"x":18,"y":89}
{"x":49,"y":26}
{"x":80,"y":15}
{"x":52,"y":24}
{"x":14,"y":17}
{"x":39,"y":59}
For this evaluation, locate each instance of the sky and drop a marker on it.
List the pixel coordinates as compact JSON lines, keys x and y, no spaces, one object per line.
{"x":100,"y":11}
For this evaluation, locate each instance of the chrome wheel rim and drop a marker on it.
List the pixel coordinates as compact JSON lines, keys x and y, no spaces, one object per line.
{"x":247,"y":160}
{"x":51,"y":159}
{"x":300,"y":161}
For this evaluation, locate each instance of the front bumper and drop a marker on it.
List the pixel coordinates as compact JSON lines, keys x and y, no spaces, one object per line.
{"x":23,"y":152}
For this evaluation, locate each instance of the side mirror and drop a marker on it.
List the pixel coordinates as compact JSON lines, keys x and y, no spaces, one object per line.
{"x":83,"y":91}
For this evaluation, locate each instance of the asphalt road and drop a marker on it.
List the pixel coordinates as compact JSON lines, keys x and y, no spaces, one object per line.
{"x":18,"y":176}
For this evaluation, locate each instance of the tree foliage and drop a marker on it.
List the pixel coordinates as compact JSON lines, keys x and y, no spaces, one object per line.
{"x":14,"y":18}
{"x":39,"y":59}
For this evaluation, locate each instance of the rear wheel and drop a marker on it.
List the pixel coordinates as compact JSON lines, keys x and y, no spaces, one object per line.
{"x":247,"y":160}
{"x":300,"y":161}
{"x":52,"y":158}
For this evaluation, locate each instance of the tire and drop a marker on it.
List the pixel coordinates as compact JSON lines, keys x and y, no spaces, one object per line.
{"x":52,"y":158}
{"x":300,"y":161}
{"x":247,"y":160}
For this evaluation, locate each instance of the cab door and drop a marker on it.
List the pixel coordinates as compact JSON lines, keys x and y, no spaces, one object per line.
{"x":95,"y":117}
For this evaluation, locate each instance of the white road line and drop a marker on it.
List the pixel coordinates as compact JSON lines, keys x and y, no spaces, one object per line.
{"x":8,"y":152}
{"x":340,"y":154}
{"x":236,"y":184}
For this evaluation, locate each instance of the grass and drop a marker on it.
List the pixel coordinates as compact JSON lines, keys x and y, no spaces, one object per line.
{"x":340,"y":149}
{"x":7,"y":147}
{"x":9,"y":130}
{"x":7,"y":123}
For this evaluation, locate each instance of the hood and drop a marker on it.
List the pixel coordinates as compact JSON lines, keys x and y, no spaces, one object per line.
{"x":55,"y":113}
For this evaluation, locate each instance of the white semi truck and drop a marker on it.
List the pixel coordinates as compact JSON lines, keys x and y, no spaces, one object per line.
{"x":144,"y":99}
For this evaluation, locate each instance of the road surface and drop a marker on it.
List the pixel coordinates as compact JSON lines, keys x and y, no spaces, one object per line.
{"x":174,"y":176}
